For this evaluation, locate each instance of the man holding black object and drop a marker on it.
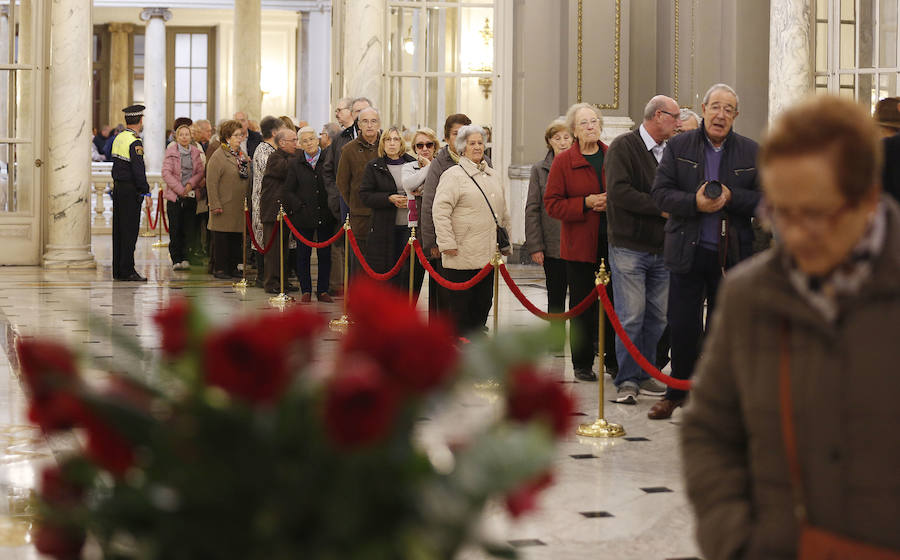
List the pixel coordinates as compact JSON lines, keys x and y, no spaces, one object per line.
{"x":129,"y":189}
{"x":707,"y":184}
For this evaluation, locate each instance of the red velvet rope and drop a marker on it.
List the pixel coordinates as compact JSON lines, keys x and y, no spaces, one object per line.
{"x":387,"y":275}
{"x":313,"y":244}
{"x":150,"y":223}
{"x":253,"y":237}
{"x":159,"y":205}
{"x":574,"y":312}
{"x":455,"y":286}
{"x":682,"y":384}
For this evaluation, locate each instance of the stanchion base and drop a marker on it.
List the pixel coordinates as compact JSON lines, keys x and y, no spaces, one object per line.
{"x":242,"y":284}
{"x":281,"y":300}
{"x":601,"y":428}
{"x":339,"y":325}
{"x":160,"y":244}
{"x":148,"y":234}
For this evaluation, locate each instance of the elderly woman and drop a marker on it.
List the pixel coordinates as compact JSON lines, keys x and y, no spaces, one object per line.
{"x":183,"y":173}
{"x":687,"y":120}
{"x":469,"y":199}
{"x":576,"y":195}
{"x":382,"y":191}
{"x":304,"y":187}
{"x":542,"y":231}
{"x":424,"y":146}
{"x":226,"y":182}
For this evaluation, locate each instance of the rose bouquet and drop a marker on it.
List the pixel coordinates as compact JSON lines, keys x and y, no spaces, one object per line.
{"x":247,"y":443}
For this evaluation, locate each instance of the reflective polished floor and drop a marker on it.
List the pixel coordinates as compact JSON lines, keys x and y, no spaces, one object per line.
{"x":619,"y":498}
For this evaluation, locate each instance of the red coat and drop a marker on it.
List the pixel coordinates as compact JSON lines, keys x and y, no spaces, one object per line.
{"x":571,"y":179}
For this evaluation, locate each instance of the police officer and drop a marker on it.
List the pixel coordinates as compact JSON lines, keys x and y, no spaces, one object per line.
{"x":129,"y":189}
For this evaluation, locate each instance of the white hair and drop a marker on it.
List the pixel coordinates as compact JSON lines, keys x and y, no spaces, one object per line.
{"x":684,"y":114}
{"x":463,"y":135}
{"x":721,"y":87}
{"x":307,"y":129}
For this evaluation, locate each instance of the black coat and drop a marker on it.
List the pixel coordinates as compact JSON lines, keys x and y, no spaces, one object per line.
{"x":377,"y":186}
{"x":679,"y":176}
{"x":272,"y":191}
{"x":892,"y":166}
{"x":254,"y":139}
{"x":304,"y":188}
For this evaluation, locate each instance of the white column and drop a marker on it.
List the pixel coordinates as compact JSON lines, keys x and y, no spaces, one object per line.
{"x":119,"y":34}
{"x":4,"y":83}
{"x":155,"y":87}
{"x":69,"y":152}
{"x":790,"y":74}
{"x":315,"y":103}
{"x":363,"y":49}
{"x":246,"y":63}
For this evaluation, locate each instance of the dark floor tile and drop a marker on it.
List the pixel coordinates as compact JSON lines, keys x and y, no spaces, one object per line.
{"x":636,"y":439}
{"x":522,"y":543}
{"x":656,"y":489}
{"x":590,"y":514}
{"x":583,"y":456}
{"x":580,"y":414}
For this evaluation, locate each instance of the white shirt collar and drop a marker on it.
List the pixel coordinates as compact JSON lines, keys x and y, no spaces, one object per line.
{"x":651,"y":144}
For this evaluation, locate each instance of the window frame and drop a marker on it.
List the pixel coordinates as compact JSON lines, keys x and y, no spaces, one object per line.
{"x":210,"y":32}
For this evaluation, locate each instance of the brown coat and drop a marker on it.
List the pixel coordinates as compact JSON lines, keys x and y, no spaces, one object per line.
{"x":354,"y":157}
{"x":225,"y":189}
{"x":845,"y":384}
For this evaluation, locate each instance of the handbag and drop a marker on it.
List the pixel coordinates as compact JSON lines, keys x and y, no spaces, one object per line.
{"x":503,"y":244}
{"x":815,"y":543}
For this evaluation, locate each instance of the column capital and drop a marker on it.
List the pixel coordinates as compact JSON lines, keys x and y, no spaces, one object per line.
{"x":149,"y":13}
{"x":121,"y":27}
{"x":4,"y":10}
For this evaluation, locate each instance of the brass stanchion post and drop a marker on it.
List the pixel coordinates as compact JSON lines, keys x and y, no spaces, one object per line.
{"x":600,"y":427}
{"x":161,"y":205}
{"x":147,"y":231}
{"x":497,"y":261}
{"x":243,"y":281}
{"x":341,"y":324}
{"x":281,"y":299}
{"x":412,"y":263}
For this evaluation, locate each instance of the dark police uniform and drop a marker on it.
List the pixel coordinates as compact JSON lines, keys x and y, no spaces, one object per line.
{"x":129,"y":187}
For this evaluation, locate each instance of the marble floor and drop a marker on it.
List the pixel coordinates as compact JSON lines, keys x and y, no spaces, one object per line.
{"x":618,"y":499}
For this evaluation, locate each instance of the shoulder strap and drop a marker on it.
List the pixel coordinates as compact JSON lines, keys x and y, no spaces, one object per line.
{"x":482,"y":194}
{"x":788,"y":428}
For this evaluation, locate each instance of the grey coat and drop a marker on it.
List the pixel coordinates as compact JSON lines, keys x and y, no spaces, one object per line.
{"x":845,"y":386}
{"x":541,"y":231}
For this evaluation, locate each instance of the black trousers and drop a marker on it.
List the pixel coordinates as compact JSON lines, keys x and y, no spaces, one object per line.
{"x":469,"y":308}
{"x":437,"y":294}
{"x":686,"y":295}
{"x":583,"y":328}
{"x":184,"y":230}
{"x":557,"y":284}
{"x":227,"y":251}
{"x":272,"y":259}
{"x":401,"y":281}
{"x":126,"y":223}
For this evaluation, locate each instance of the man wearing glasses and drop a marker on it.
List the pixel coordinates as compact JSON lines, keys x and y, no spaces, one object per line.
{"x":707,"y":184}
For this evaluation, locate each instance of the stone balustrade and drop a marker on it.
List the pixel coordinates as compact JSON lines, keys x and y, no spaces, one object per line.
{"x":101,"y":202}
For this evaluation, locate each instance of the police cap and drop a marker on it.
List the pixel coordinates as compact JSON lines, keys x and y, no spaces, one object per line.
{"x":134,"y":111}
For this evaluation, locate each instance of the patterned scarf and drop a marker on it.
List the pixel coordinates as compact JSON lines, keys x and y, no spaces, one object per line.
{"x":243,"y":163}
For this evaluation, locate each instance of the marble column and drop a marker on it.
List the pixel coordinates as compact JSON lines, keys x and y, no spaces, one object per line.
{"x":363,"y":64}
{"x":68,"y":171}
{"x":155,"y":87}
{"x":314,"y":96}
{"x":119,"y":35}
{"x":790,"y":73}
{"x":246,"y":59}
{"x":4,"y":80}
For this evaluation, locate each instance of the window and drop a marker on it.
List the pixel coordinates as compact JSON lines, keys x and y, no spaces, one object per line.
{"x":137,"y":68}
{"x":190,"y":73}
{"x":855,"y":48}
{"x":439,"y":61}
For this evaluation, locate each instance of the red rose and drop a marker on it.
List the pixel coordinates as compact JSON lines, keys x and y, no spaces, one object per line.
{"x":534,"y":396}
{"x":174,"y":326}
{"x":46,"y":366}
{"x":64,"y":543}
{"x":359,"y":404}
{"x":107,"y":447}
{"x":57,"y":490}
{"x":248,"y":362}
{"x":59,"y":411}
{"x":414,"y":353}
{"x":293,"y":325}
{"x":524,"y":498}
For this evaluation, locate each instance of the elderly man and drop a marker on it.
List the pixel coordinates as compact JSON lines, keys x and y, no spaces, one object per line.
{"x":783,"y":442}
{"x":267,"y":127}
{"x":707,"y":184}
{"x":201,"y":132}
{"x":354,"y":157}
{"x":640,"y":278}
{"x":252,"y":138}
{"x":271,"y":197}
{"x":687,"y":120}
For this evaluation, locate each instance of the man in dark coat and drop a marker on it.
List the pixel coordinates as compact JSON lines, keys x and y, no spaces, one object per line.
{"x":887,"y":117}
{"x":271,"y":198}
{"x":707,"y":232}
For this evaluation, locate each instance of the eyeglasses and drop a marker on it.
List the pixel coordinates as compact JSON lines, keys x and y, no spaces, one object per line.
{"x":673,"y":115}
{"x":716,"y":108}
{"x":811,"y":220}
{"x":593,"y":122}
{"x":428,"y":145}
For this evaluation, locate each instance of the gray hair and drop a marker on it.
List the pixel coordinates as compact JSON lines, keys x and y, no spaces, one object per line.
{"x":368,"y":109}
{"x":358,"y":99}
{"x":684,"y":114}
{"x":570,"y":115}
{"x":281,"y":134}
{"x":463,"y":135}
{"x":657,"y":103}
{"x":306,"y":129}
{"x":332,"y":128}
{"x":721,"y":87}
{"x":345,"y":101}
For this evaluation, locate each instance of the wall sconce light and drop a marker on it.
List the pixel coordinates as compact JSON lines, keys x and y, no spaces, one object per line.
{"x":485,"y":84}
{"x":408,"y":44}
{"x":486,"y":32}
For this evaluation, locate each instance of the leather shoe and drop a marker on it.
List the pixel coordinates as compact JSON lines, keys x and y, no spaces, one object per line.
{"x":135,"y":277}
{"x":290,"y":288}
{"x":664,"y":408}
{"x":585,"y":374}
{"x":222,"y":276}
{"x":324,"y":298}
{"x":306,"y":298}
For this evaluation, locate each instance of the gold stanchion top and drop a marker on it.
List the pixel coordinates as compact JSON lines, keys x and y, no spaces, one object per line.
{"x":602,"y":276}
{"x":245,"y":204}
{"x":281,"y":213}
{"x":347,"y":223}
{"x":412,"y":236}
{"x":498,"y":259}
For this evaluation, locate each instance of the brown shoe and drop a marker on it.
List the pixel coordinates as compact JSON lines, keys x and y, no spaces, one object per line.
{"x":324,"y":298}
{"x":663,"y":409}
{"x":306,"y":298}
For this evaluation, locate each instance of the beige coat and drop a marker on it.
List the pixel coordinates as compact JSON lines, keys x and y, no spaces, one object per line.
{"x":462,"y":219}
{"x":226,"y":190}
{"x":845,"y":382}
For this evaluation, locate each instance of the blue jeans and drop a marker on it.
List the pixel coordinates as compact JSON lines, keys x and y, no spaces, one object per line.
{"x":641,"y":283}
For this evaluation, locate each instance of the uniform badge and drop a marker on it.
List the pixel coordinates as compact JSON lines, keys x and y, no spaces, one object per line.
{"x":139,"y":150}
